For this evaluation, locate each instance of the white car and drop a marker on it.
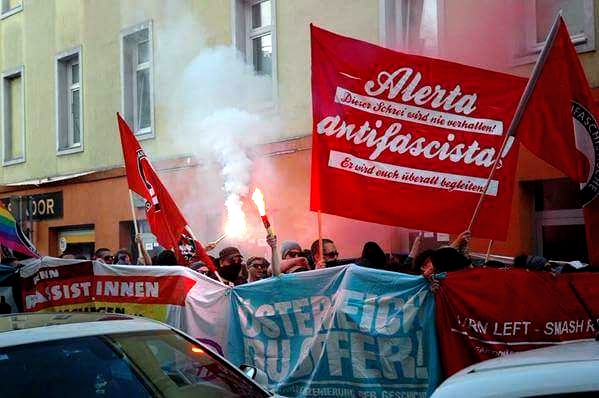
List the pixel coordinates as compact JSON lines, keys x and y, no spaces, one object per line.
{"x":108,"y":355}
{"x":565,"y":370}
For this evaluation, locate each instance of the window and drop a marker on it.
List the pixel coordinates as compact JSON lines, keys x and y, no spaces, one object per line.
{"x":77,"y":240}
{"x":137,"y":75}
{"x":13,"y":117}
{"x":10,"y":7}
{"x":539,"y":16}
{"x":410,"y":25}
{"x":559,"y":222}
{"x":68,"y":102}
{"x":255,"y":34}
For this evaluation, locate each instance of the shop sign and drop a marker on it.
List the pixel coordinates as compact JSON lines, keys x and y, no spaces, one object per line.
{"x":44,"y":206}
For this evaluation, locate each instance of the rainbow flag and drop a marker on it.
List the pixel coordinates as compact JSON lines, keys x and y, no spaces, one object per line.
{"x":11,"y":235}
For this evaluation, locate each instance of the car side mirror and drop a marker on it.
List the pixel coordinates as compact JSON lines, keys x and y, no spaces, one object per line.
{"x":255,"y":374}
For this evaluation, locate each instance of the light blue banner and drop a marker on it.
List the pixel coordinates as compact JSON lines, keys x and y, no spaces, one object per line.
{"x":339,"y":332}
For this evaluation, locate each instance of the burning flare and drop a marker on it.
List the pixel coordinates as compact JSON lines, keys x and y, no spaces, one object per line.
{"x":258,"y":199}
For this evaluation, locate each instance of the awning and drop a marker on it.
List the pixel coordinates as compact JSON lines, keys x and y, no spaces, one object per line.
{"x":46,"y":180}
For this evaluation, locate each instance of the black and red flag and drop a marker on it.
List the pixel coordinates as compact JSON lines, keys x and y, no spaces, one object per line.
{"x":559,"y":123}
{"x":166,"y":221}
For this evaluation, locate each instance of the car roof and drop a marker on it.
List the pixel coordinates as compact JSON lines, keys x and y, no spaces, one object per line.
{"x":564,"y":368}
{"x":572,"y":351}
{"x":17,"y":329}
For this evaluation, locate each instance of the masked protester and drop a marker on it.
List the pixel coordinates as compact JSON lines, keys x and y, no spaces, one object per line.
{"x":330,"y":255}
{"x":230,"y":263}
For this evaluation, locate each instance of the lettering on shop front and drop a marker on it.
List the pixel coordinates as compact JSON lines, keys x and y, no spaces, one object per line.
{"x":44,"y":206}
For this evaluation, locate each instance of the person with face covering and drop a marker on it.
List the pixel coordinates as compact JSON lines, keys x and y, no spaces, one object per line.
{"x":229,"y":268}
{"x":292,"y":259}
{"x":291,"y":256}
{"x":330,"y":255}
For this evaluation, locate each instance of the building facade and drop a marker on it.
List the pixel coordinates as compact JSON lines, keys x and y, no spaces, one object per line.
{"x":218,"y":93}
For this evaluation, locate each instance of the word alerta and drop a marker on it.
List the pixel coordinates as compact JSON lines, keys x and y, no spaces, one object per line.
{"x":430,"y":105}
{"x":397,"y":83}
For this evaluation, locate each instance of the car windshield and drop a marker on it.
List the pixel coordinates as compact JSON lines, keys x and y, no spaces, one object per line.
{"x":140,"y":364}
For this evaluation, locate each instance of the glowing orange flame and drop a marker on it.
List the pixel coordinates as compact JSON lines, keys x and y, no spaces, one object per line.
{"x":236,"y":225}
{"x":258,"y":199}
{"x":197,"y":350}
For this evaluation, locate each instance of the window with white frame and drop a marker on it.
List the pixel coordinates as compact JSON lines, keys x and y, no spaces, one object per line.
{"x":137,"y":75}
{"x":410,"y":25}
{"x":69,"y":108}
{"x":539,"y":16}
{"x":255,"y":33}
{"x":13,"y":117}
{"x":10,"y":7}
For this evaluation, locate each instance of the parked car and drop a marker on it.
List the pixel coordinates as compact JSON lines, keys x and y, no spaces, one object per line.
{"x":565,"y":370}
{"x":108,"y":355}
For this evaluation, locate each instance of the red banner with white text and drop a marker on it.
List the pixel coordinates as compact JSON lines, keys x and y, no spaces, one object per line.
{"x":485,"y":313}
{"x":176,"y":295}
{"x":56,"y":285}
{"x":407,"y":140}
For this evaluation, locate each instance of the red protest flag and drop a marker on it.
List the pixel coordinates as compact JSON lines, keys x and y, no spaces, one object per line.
{"x":165,"y":219}
{"x":559,"y":125}
{"x":407,"y":140}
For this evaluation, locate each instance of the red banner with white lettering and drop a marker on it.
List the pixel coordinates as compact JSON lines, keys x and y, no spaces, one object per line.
{"x":73,"y":286}
{"x":407,"y":140}
{"x":485,"y":313}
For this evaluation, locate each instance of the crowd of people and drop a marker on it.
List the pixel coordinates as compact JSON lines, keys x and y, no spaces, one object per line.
{"x":233,"y":270}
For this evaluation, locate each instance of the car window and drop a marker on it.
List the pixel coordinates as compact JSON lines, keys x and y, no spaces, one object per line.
{"x":179,"y":367}
{"x":79,"y":367}
{"x":136,"y":364}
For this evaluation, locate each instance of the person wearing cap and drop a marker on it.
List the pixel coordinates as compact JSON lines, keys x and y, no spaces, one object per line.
{"x":290,"y":249}
{"x":291,"y":256}
{"x":292,"y":259}
{"x":229,"y":268}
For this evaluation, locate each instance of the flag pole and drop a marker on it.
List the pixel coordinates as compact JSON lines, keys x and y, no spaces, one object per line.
{"x":530,"y":85}
{"x":489,"y":250}
{"x":134,"y":221}
{"x":320,"y":244}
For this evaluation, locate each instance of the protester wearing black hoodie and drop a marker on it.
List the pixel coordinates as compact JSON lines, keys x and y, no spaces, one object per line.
{"x":373,"y":256}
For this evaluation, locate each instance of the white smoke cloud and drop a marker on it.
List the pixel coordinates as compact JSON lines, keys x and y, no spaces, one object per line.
{"x":223,"y":99}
